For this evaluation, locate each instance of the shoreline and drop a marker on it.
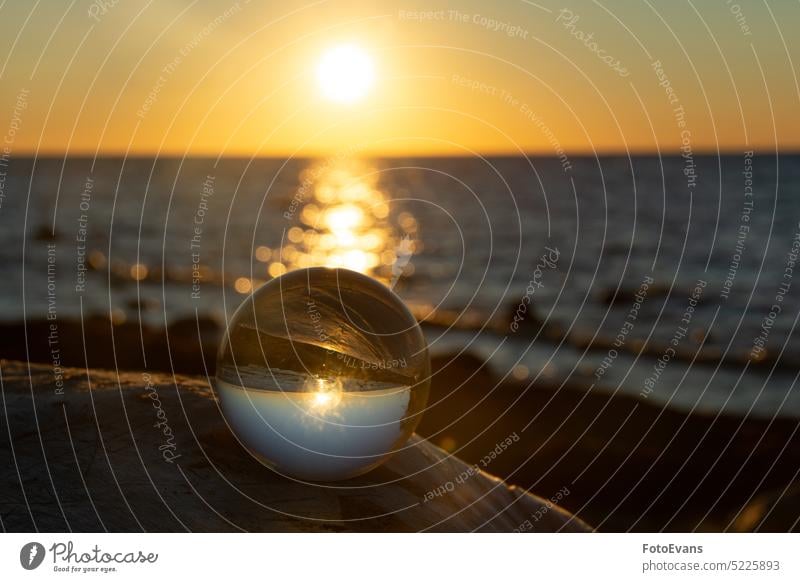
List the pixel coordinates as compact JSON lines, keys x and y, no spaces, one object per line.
{"x":189,"y":345}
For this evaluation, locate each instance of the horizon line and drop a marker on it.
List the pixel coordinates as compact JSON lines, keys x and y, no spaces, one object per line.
{"x":394,"y":155}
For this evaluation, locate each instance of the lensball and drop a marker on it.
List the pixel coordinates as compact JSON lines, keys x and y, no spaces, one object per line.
{"x":323,"y":374}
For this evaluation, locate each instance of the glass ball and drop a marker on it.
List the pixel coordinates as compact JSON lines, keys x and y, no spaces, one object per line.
{"x":323,"y":374}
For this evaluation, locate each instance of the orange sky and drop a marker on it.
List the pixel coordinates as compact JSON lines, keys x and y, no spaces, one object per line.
{"x":234,"y":78}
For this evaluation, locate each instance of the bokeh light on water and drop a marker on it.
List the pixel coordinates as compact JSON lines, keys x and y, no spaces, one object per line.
{"x":345,"y":221}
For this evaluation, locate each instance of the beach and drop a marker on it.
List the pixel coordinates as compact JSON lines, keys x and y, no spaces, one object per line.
{"x":641,"y":369}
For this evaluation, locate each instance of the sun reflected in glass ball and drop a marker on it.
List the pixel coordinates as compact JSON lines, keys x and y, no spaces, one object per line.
{"x":323,"y":374}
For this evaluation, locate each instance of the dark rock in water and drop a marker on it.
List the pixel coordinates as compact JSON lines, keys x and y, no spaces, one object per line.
{"x":524,"y":314}
{"x":45,"y":232}
{"x":190,"y":326}
{"x":138,"y":451}
{"x":626,"y":294}
{"x":775,"y":511}
{"x":115,"y":342}
{"x":700,"y":334}
{"x":523,"y":318}
{"x":98,"y":341}
{"x":193,"y":344}
{"x":143,"y":304}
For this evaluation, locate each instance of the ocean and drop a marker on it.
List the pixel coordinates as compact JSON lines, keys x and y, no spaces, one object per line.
{"x":671,"y":279}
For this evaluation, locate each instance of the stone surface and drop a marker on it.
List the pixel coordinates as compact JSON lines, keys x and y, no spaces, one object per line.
{"x":132,"y":452}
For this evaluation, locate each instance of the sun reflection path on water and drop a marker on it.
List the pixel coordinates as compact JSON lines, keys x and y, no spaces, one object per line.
{"x":346,"y":222}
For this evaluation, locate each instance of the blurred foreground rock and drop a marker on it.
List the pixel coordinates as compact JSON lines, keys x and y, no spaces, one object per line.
{"x":773,"y":511}
{"x":131,"y":452}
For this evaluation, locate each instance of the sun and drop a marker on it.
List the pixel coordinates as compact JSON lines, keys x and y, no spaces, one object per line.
{"x":324,"y":395}
{"x":345,"y":74}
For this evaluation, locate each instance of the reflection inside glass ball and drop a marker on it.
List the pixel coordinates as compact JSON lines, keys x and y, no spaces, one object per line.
{"x":323,"y":374}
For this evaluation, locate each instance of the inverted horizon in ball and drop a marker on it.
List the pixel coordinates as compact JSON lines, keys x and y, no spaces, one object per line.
{"x":323,"y":374}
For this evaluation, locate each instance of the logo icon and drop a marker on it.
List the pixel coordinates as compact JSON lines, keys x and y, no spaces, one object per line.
{"x":31,"y":555}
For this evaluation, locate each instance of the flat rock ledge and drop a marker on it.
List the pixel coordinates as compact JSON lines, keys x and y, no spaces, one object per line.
{"x":96,"y":450}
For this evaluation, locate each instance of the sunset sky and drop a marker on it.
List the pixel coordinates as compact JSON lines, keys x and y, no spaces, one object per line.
{"x":227,"y":78}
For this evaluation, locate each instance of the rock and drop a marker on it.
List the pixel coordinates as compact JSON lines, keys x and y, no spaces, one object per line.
{"x":625,"y":294}
{"x":190,"y":326}
{"x":46,"y":233}
{"x":523,"y":318}
{"x":135,"y":451}
{"x":190,"y":341}
{"x":773,"y":511}
{"x":143,"y":304}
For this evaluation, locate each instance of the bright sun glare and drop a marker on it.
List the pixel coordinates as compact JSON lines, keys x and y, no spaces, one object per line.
{"x":325,"y":395}
{"x":345,"y":74}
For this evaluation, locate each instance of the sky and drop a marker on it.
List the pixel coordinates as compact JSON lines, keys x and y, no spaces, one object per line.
{"x":463,"y":77}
